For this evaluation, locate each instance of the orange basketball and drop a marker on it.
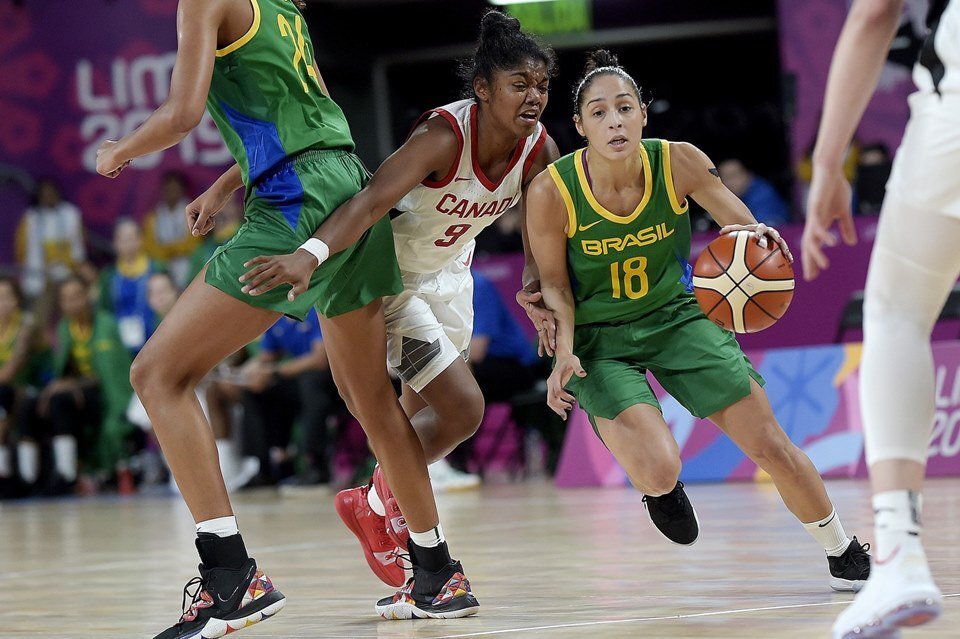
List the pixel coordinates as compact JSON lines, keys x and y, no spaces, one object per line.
{"x":740,"y":286}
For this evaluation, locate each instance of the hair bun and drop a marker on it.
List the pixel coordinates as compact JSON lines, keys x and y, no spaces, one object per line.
{"x":496,"y":23}
{"x":600,"y":58}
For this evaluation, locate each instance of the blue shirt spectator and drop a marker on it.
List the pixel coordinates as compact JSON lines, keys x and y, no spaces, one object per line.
{"x":493,"y":324}
{"x":757,"y":193}
{"x":292,"y":338}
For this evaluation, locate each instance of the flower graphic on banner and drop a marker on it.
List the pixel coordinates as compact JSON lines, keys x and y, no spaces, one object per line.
{"x":26,"y":77}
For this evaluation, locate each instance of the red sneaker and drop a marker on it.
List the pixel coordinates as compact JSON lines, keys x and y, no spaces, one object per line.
{"x":371,"y":530}
{"x":396,"y":522}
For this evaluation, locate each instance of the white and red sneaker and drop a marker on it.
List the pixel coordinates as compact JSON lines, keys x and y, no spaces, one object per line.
{"x":379,"y":548}
{"x":396,"y":522}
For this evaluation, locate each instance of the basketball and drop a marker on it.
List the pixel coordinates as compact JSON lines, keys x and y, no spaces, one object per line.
{"x":740,"y":286}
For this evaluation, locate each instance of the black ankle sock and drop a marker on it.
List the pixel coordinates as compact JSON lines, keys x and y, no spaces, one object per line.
{"x":221,"y":552}
{"x":430,"y":559}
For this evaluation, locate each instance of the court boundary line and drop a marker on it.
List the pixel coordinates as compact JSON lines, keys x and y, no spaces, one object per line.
{"x":678,"y":617}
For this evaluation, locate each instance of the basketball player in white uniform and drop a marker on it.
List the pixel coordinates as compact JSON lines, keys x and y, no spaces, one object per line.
{"x":915,"y":263}
{"x":463,"y":166}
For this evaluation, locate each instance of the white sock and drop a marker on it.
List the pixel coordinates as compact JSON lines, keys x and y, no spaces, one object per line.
{"x":5,"y":468}
{"x":221,"y":526}
{"x":376,"y":504}
{"x":28,"y":461}
{"x":65,"y":456}
{"x":429,"y":539}
{"x":829,"y":533}
{"x":896,"y":515}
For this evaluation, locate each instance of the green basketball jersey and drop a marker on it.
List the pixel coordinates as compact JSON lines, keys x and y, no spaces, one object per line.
{"x":265,"y":95}
{"x":622,"y":267}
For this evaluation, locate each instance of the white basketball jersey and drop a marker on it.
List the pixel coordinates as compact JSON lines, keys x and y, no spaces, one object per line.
{"x":938,"y":68}
{"x":439,"y":219}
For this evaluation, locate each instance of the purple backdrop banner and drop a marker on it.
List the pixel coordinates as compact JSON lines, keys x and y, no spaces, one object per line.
{"x":75,"y":73}
{"x":808,"y":33}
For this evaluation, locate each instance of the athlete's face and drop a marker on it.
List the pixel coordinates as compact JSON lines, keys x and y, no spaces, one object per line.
{"x":8,"y":300}
{"x":517,"y":97}
{"x":611,"y":117}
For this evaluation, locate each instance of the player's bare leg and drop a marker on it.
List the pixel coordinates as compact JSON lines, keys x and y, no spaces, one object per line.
{"x":751,"y":425}
{"x":356,"y":346}
{"x":205,"y":326}
{"x":642,"y":442}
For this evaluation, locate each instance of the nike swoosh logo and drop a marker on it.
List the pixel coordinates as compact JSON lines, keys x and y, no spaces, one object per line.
{"x":244,"y":582}
{"x":584,"y":227}
{"x":827,"y":523}
{"x":460,"y":179}
{"x":884,"y":562}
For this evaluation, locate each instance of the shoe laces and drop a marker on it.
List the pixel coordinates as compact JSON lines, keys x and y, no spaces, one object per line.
{"x":673,"y":504}
{"x":200,"y":583}
{"x":857,"y":555}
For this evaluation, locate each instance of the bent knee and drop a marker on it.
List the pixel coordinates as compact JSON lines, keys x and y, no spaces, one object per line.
{"x":659,"y":478}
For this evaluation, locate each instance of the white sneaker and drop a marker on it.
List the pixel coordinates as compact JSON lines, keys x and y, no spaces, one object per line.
{"x":445,"y":477}
{"x":247,"y":469}
{"x":899,"y":593}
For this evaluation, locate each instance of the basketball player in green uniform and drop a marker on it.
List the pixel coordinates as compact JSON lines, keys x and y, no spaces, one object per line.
{"x":251,"y":63}
{"x":610,"y":233}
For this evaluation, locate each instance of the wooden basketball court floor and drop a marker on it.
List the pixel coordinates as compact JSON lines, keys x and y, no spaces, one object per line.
{"x":544,"y":563}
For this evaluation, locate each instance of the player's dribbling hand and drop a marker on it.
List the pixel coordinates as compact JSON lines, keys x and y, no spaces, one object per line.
{"x":267,"y":272}
{"x":828,"y":201}
{"x":763,"y":233}
{"x":542,"y":319}
{"x":558,"y":399}
{"x":107,"y":163}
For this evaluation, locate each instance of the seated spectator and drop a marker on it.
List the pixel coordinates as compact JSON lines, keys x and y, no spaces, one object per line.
{"x":872,"y":174}
{"x":49,"y":242}
{"x":21,"y":367}
{"x":88,"y":398}
{"x":757,"y":193}
{"x":123,"y":286}
{"x":504,"y":236}
{"x":289,"y":376}
{"x":165,"y":233}
{"x":227,"y":223}
{"x":503,"y":359}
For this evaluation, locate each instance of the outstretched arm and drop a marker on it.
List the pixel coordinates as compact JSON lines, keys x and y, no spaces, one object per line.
{"x":431,"y":149}
{"x":857,"y":62}
{"x":695,"y":175}
{"x":197,"y":25}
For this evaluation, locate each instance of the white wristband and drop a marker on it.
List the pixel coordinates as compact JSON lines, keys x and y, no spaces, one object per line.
{"x":317,"y":248}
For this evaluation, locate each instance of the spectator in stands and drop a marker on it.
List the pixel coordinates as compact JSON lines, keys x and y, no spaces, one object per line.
{"x":757,"y":193}
{"x":50,"y":239}
{"x":227,"y":222}
{"x":503,"y":359}
{"x":166,"y":236}
{"x":21,"y":365}
{"x":123,"y":287}
{"x":504,"y":236}
{"x":88,"y":398}
{"x":873,"y":170}
{"x":289,"y":376}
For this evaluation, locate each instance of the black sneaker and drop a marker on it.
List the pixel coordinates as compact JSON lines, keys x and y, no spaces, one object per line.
{"x":225,"y":600}
{"x":674,"y":516}
{"x":444,"y":594}
{"x":849,"y":571}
